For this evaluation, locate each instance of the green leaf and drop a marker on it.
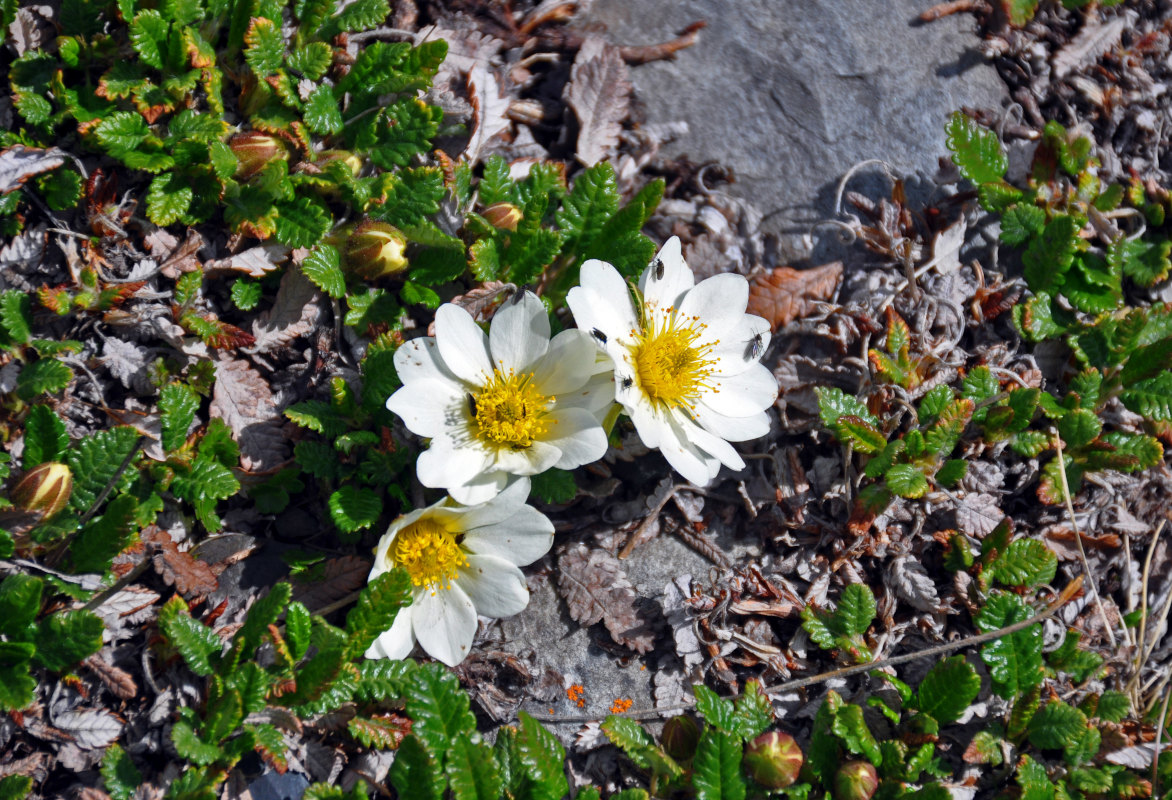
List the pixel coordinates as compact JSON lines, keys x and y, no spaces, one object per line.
{"x":951,"y":472}
{"x":318,"y":674}
{"x":754,"y":711}
{"x":1113,"y":707}
{"x":543,"y":758}
{"x":860,"y":434}
{"x":1079,"y":428}
{"x":497,"y":186}
{"x":45,"y":376}
{"x":297,"y":630}
{"x":95,"y":460}
{"x":66,"y":637}
{"x":1049,"y":256}
{"x":472,"y":770}
{"x":376,"y":609}
{"x":246,"y":294}
{"x":354,"y":508}
{"x":119,"y":774}
{"x":1031,"y":776}
{"x":717,"y":766}
{"x":17,"y":686}
{"x":1027,"y":562}
{"x":301,"y":222}
{"x":637,"y":744}
{"x":206,"y":482}
{"x":1150,"y":398}
{"x":1056,"y":726}
{"x":261,"y":614}
{"x":105,"y":537}
{"x":591,"y":202}
{"x":907,"y":480}
{"x":323,"y":266}
{"x":554,"y":486}
{"x":317,"y":416}
{"x":178,"y":403}
{"x":148,"y":36}
{"x":168,"y":198}
{"x":265,"y":47}
{"x":15,"y":787}
{"x":321,"y":111}
{"x":358,"y":16}
{"x":1144,"y":260}
{"x":15,"y":317}
{"x":1021,"y":222}
{"x":312,"y":60}
{"x":61,"y":188}
{"x":976,"y":150}
{"x":1069,"y":657}
{"x":834,"y":403}
{"x":415,"y":774}
{"x":438,"y":707}
{"x":188,"y":745}
{"x":716,"y":711}
{"x":45,"y":438}
{"x":856,"y":609}
{"x":986,"y":746}
{"x":20,"y":601}
{"x":948,"y":689}
{"x":851,"y":728}
{"x":196,"y":642}
{"x":1014,"y":661}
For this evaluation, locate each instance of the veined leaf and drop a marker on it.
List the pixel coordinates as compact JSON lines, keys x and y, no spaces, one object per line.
{"x":104,"y":538}
{"x":301,"y":222}
{"x":168,"y":198}
{"x":717,"y":767}
{"x":45,"y":438}
{"x":592,"y":201}
{"x":851,"y":728}
{"x":415,"y":774}
{"x":1056,"y":725}
{"x":354,"y":508}
{"x":948,"y":689}
{"x":321,"y":111}
{"x":860,"y":434}
{"x":196,"y":642}
{"x":265,"y":47}
{"x":177,"y":406}
{"x":834,"y":403}
{"x":1150,"y":398}
{"x":20,"y":602}
{"x":1049,"y":256}
{"x":856,"y":609}
{"x":120,"y":775}
{"x":44,"y":376}
{"x":976,"y":150}
{"x":323,"y":266}
{"x":1027,"y":562}
{"x":543,"y":758}
{"x":94,"y":461}
{"x":66,"y":637}
{"x":148,"y":36}
{"x":907,"y":480}
{"x":1014,"y":661}
{"x":17,"y":686}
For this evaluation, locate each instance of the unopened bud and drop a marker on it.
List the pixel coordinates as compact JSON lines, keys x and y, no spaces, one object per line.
{"x":253,"y":150}
{"x":345,"y":156}
{"x":680,"y":736}
{"x":855,"y":780}
{"x":773,"y":759}
{"x":503,"y":216}
{"x":376,"y":249}
{"x":44,"y":489}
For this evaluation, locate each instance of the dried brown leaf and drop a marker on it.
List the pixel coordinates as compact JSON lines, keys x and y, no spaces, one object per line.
{"x":188,"y":575}
{"x":784,"y":294}
{"x":482,"y":302}
{"x":90,"y":793}
{"x":116,"y":679}
{"x":978,"y":514}
{"x":490,"y":111}
{"x":341,"y":577}
{"x":25,"y":250}
{"x":595,"y":589}
{"x":255,"y":262}
{"x":913,"y":584}
{"x":295,"y":313}
{"x":91,"y":729}
{"x":600,"y":94}
{"x":19,"y":163}
{"x":242,"y":398}
{"x":177,"y":257}
{"x":1096,"y":39}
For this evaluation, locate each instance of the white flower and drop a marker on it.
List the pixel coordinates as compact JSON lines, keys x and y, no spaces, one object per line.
{"x":463,"y":561}
{"x":509,"y":403}
{"x":686,"y":358}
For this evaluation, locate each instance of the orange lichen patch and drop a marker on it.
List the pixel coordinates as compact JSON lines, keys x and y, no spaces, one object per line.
{"x":621,"y":705}
{"x":576,"y":695}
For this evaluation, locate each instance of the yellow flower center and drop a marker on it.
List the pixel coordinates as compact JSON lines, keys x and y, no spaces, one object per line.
{"x":509,"y":410}
{"x":429,"y":553}
{"x":673,"y":365}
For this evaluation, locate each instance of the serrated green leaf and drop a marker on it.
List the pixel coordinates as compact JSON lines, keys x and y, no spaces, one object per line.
{"x":312,"y":60}
{"x":717,"y":767}
{"x":246,"y":294}
{"x":860,"y":434}
{"x":20,"y":601}
{"x":976,"y":150}
{"x":1021,"y":222}
{"x":1143,"y":260}
{"x":543,"y":759}
{"x":497,"y":186}
{"x":168,"y":198}
{"x":196,"y":642}
{"x":148,"y":37}
{"x":591,"y":202}
{"x":1031,"y":776}
{"x":1050,"y":255}
{"x":948,"y":689}
{"x":264,"y":47}
{"x":17,"y":686}
{"x":66,"y":637}
{"x":188,"y":745}
{"x":716,"y":710}
{"x":104,"y":538}
{"x":376,"y":609}
{"x":1027,"y":562}
{"x":986,"y":746}
{"x":630,"y":737}
{"x":61,"y":188}
{"x":323,"y":266}
{"x":1069,"y":657}
{"x":1014,"y":661}
{"x":317,"y":416}
{"x":438,"y":706}
{"x":1079,"y":428}
{"x":178,"y":403}
{"x":354,"y":508}
{"x":301,"y":222}
{"x":204,"y":483}
{"x":415,"y":774}
{"x":402,"y":131}
{"x":951,"y":472}
{"x":321,"y":111}
{"x":834,"y":403}
{"x":189,"y":124}
{"x":261,"y":614}
{"x":850,"y":727}
{"x":1056,"y":726}
{"x":907,"y":480}
{"x":15,"y":317}
{"x":119,"y":774}
{"x":856,"y":609}
{"x":45,"y":438}
{"x":297,"y":630}
{"x":45,"y":376}
{"x":1113,"y":707}
{"x":94,"y":461}
{"x":1150,"y":398}
{"x":359,"y":15}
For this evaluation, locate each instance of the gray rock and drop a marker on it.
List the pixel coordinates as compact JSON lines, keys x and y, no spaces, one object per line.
{"x":792,"y":93}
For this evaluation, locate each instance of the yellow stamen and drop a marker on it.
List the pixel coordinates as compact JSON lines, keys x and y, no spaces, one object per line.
{"x":509,"y":411}
{"x":673,"y":365}
{"x":429,"y":553}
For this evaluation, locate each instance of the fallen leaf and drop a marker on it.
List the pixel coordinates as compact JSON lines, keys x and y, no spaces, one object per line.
{"x":913,"y":584}
{"x":25,"y":250}
{"x":116,"y":679}
{"x":595,"y":589}
{"x":242,"y":398}
{"x":1096,"y":39}
{"x":978,"y":514}
{"x":175,"y":257}
{"x":600,"y":94}
{"x":256,"y":262}
{"x":341,"y":577}
{"x":295,"y":313}
{"x":91,"y":729}
{"x":784,"y":294}
{"x":127,"y":362}
{"x":19,"y":163}
{"x":188,"y":575}
{"x":32,"y":28}
{"x":483,"y":301}
{"x":490,"y":111}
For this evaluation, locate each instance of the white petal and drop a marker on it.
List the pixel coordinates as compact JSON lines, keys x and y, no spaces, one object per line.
{"x":462,"y":344}
{"x":719,"y":302}
{"x":531,"y":460}
{"x":577,"y":434}
{"x":445,"y":623}
{"x":597,"y":396}
{"x":429,"y":406}
{"x":649,"y":424}
{"x":443,"y":465}
{"x":567,"y":365}
{"x":743,"y":395}
{"x":419,"y":359}
{"x":480,"y":488}
{"x":602,"y":301}
{"x":521,"y":539}
{"x":677,"y":276}
{"x":398,"y":641}
{"x":496,"y":587}
{"x":519,"y":334}
{"x":740,"y":347}
{"x":500,"y":508}
{"x":711,"y":444}
{"x":697,"y":467}
{"x":734,"y":429}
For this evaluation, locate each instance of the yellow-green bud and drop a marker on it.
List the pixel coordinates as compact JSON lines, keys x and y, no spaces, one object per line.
{"x":855,"y":780}
{"x":44,"y":489}
{"x":345,"y":156}
{"x":253,"y":150}
{"x":503,"y":216}
{"x":773,"y":759}
{"x":680,"y":736}
{"x":376,"y":249}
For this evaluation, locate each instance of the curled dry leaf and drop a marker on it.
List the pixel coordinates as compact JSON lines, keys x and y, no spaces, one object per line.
{"x":913,"y":584}
{"x":1096,"y":39}
{"x":600,"y":94}
{"x":784,"y":294}
{"x":482,"y":302}
{"x":242,"y":398}
{"x":295,"y":313}
{"x":978,"y":514}
{"x":116,"y":679}
{"x":595,"y":589}
{"x":490,"y":111}
{"x":19,"y":163}
{"x":188,"y":575}
{"x":254,"y":262}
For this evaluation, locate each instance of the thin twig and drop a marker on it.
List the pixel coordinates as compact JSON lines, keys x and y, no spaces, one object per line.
{"x":118,"y":585}
{"x":650,"y":713}
{"x":1156,"y":753}
{"x":1082,"y":553}
{"x":334,"y":606}
{"x":1133,"y":683}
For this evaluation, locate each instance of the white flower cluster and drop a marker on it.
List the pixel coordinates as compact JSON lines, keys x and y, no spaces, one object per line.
{"x":680,"y":358}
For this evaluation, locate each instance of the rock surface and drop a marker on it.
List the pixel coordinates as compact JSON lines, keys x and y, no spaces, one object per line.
{"x":791,"y":93}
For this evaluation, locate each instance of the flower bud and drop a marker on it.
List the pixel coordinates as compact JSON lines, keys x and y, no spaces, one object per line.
{"x":680,"y":736}
{"x":855,"y":780}
{"x":773,"y":759}
{"x":44,"y":489}
{"x":345,"y":156}
{"x":503,"y":216}
{"x":253,"y":150}
{"x":376,"y":249}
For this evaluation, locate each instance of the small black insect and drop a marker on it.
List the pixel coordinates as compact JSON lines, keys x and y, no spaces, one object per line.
{"x":657,"y":265}
{"x":626,"y":382}
{"x":599,"y":335}
{"x":518,"y":293}
{"x":755,"y":347}
{"x":472,"y":406}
